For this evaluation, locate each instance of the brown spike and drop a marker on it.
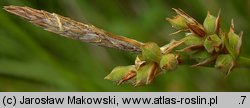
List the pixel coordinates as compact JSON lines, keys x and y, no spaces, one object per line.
{"x":75,"y":30}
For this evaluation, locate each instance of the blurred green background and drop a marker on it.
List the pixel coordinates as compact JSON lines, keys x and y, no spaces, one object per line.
{"x":32,"y":59}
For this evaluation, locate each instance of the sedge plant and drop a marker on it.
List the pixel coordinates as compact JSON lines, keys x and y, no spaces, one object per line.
{"x":203,"y":44}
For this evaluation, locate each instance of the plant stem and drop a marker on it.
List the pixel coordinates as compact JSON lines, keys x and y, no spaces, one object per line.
{"x":243,"y":62}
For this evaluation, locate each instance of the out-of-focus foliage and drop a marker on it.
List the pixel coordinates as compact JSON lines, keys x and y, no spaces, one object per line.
{"x":32,"y":59}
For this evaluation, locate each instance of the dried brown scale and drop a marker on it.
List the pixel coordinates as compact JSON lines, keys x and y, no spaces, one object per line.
{"x":192,"y":24}
{"x":75,"y":30}
{"x":169,"y":47}
{"x":154,"y":71}
{"x":129,"y":76}
{"x":196,"y":29}
{"x":185,"y":15}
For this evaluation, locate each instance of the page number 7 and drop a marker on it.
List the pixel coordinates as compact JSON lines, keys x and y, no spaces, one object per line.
{"x":243,"y":99}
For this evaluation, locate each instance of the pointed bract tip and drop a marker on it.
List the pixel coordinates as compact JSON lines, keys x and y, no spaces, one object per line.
{"x":217,"y":22}
{"x":238,"y":47}
{"x":107,"y":78}
{"x":178,"y":11}
{"x":208,"y":13}
{"x":10,"y":8}
{"x":219,"y":13}
{"x":17,"y":10}
{"x":232,"y":26}
{"x":7,"y":8}
{"x":174,"y":9}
